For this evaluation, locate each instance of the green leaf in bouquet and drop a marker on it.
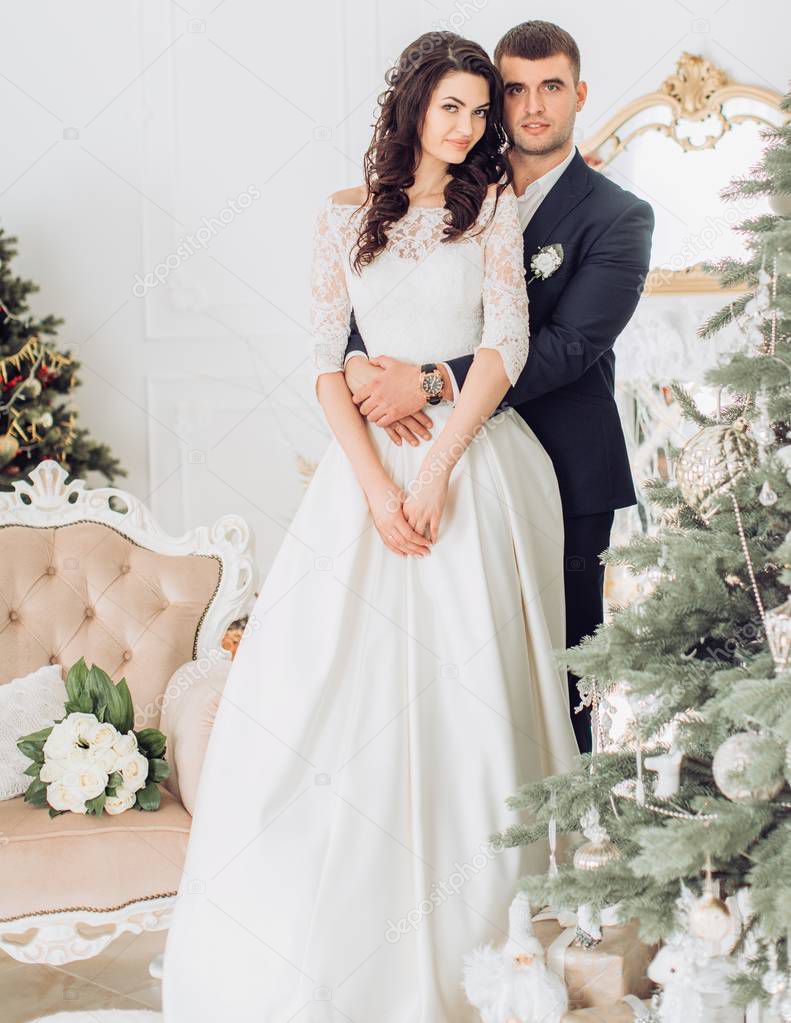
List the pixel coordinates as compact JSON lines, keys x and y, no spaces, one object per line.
{"x":31,"y":749}
{"x":32,"y":745}
{"x":82,"y":705}
{"x":115,"y":709}
{"x":120,"y":709}
{"x":96,"y":805}
{"x":148,"y":798}
{"x":32,"y":769}
{"x":56,"y":813}
{"x":151,"y":742}
{"x":100,"y":687}
{"x":75,"y":680}
{"x":158,"y":769}
{"x":40,"y":736}
{"x":36,"y":793}
{"x":115,"y":779}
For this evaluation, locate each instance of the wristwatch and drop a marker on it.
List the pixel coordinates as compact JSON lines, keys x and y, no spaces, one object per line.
{"x":431,"y":382}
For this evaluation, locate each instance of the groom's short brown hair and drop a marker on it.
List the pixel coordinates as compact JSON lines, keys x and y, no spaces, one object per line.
{"x":535,"y":40}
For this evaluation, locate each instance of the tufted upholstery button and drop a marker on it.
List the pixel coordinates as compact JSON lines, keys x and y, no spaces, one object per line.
{"x":53,"y":659}
{"x":89,"y":612}
{"x":51,"y":570}
{"x":125,"y":568}
{"x":13,"y":615}
{"x":164,"y":605}
{"x":127,"y":655}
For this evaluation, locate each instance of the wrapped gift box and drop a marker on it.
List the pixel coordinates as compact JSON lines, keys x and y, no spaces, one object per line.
{"x":624,"y":1011}
{"x":599,"y":976}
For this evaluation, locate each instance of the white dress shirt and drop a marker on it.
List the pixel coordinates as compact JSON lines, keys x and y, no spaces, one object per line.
{"x":528,"y":202}
{"x":537,"y":191}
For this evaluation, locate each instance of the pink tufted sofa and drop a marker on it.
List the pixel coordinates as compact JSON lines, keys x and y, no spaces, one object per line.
{"x":89,"y":573}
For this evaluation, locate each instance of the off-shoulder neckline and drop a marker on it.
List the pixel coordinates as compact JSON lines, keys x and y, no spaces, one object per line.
{"x":355,"y":206}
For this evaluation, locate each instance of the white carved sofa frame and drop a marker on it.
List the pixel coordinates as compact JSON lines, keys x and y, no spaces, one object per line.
{"x":82,"y":573}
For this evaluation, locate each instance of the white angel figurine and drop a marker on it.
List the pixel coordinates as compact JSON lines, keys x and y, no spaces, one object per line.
{"x":514,"y":984}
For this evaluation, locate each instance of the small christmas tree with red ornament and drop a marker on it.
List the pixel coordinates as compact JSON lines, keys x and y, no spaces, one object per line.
{"x":37,"y":420}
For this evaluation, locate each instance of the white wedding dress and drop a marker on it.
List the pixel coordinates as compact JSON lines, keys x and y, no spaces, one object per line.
{"x":380,"y":710}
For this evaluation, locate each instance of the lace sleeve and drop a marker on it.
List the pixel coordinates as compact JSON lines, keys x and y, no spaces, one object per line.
{"x":505,"y":314}
{"x":330,"y":306}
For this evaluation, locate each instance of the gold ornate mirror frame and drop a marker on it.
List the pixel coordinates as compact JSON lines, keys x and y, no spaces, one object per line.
{"x":696,"y":91}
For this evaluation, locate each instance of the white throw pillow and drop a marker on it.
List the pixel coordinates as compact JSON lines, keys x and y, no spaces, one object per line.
{"x":27,"y":704}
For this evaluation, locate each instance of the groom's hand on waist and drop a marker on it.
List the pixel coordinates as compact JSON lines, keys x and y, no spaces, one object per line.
{"x":388,"y":393}
{"x":392,"y":393}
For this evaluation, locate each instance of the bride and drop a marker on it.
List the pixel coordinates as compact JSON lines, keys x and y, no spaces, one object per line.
{"x":396,"y":680}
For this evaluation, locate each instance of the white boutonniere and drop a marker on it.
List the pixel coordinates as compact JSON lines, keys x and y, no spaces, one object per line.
{"x":546,"y":261}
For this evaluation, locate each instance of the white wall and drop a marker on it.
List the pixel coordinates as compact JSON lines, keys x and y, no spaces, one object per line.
{"x":125,"y":125}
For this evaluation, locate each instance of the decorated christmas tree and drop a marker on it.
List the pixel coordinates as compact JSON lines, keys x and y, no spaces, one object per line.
{"x":36,"y":419}
{"x":688,"y":811}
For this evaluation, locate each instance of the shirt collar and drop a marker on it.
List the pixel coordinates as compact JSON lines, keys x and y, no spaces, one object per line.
{"x":546,"y":181}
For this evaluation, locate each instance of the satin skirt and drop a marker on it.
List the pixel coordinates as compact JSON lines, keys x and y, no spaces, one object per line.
{"x":377,"y":715}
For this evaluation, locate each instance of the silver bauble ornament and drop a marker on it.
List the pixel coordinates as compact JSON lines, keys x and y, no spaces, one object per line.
{"x":599,"y":850}
{"x":730,"y":761}
{"x":711,"y":462}
{"x":593,"y":855}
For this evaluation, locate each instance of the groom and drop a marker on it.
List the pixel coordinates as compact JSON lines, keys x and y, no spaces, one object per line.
{"x":566,"y":390}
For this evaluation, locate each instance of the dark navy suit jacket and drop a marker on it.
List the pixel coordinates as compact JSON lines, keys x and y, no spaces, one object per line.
{"x":565,"y":392}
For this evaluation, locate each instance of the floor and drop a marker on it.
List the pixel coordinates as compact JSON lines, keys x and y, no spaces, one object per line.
{"x":116,"y":979}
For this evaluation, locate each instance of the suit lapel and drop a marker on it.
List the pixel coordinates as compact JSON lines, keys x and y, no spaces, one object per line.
{"x":567,"y":193}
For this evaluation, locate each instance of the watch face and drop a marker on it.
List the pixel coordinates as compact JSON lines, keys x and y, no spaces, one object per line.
{"x":432,"y":383}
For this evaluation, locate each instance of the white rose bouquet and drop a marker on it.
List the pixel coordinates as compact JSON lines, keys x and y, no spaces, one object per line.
{"x":92,"y":760}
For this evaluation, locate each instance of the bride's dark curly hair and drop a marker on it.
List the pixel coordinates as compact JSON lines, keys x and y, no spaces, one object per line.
{"x":394,"y":153}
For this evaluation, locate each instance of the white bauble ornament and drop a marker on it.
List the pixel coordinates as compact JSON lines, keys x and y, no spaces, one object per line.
{"x":767,"y":496}
{"x":780,"y":204}
{"x":762,"y":430}
{"x":731,"y":760}
{"x":709,"y":918}
{"x":783,"y":455}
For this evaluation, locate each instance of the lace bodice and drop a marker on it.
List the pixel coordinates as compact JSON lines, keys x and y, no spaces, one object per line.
{"x":421,"y":299}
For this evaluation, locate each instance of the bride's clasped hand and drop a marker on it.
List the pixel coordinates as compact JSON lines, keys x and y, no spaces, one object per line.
{"x":408,"y":521}
{"x":428,"y":495}
{"x":386,"y":504}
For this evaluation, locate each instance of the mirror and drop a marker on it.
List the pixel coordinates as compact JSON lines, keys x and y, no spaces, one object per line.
{"x":678,"y":148}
